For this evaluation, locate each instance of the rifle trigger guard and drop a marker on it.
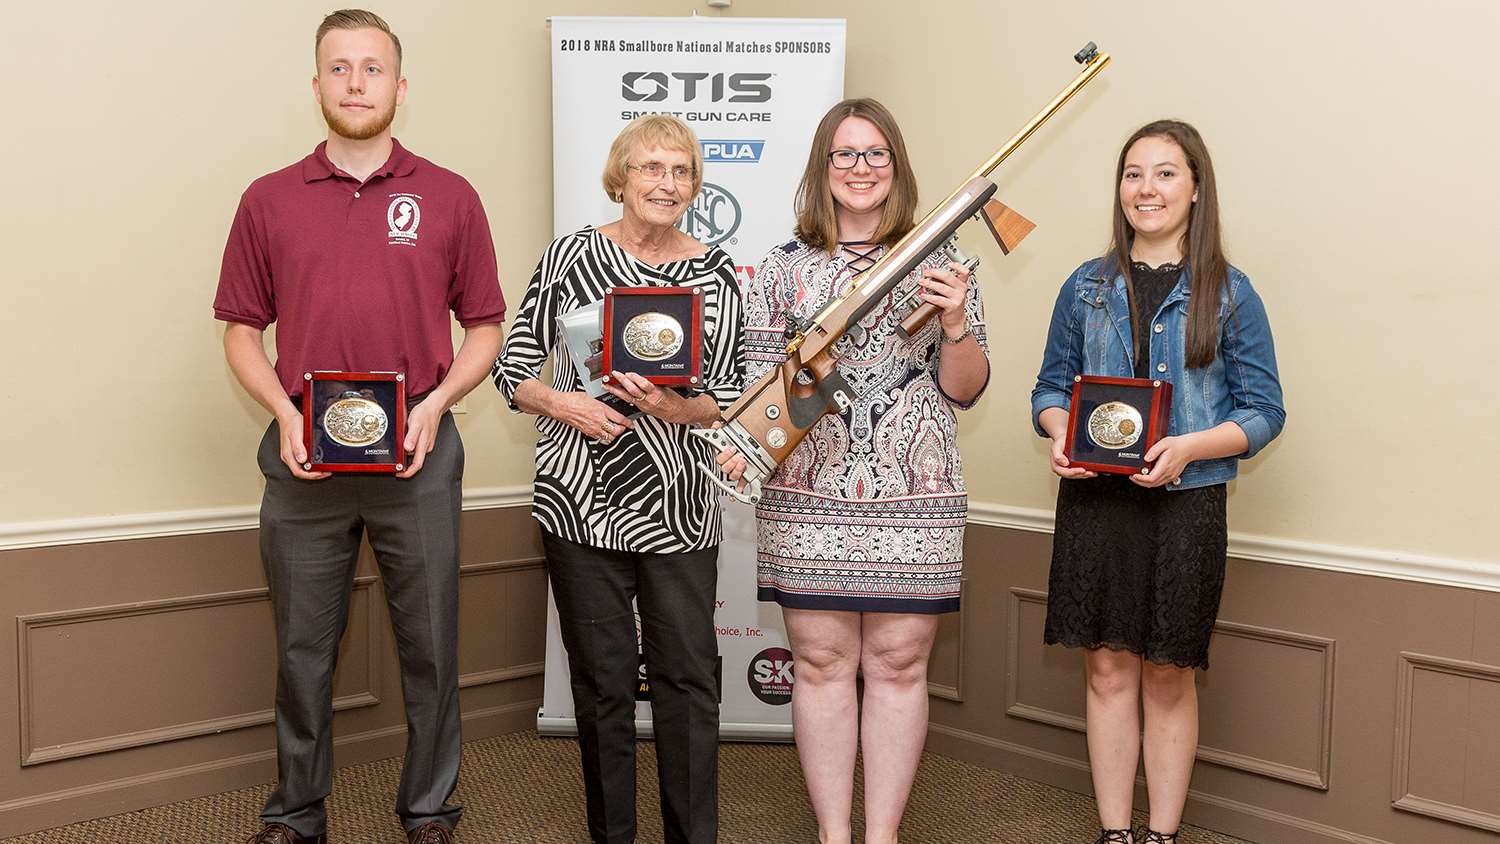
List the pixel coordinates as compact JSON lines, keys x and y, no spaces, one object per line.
{"x":751,"y":494}
{"x":758,"y":463}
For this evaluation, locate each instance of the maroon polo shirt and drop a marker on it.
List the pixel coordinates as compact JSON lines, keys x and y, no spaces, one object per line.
{"x":361,"y":276}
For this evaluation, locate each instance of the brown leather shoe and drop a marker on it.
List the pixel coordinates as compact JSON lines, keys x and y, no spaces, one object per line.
{"x":280,"y":833}
{"x":431,"y":832}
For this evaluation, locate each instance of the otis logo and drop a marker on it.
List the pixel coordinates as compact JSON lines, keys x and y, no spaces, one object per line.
{"x":732,"y":152}
{"x":770,"y":676}
{"x":402,"y":218}
{"x":713,"y":217}
{"x":640,"y":86}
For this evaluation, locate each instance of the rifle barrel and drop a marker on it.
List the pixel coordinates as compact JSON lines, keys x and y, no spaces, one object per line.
{"x":1095,"y":64}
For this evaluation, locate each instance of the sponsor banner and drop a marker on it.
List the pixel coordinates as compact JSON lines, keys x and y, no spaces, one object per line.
{"x":753,"y":90}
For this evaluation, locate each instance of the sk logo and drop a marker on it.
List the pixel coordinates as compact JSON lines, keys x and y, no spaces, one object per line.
{"x":402,"y":217}
{"x":771,"y":675}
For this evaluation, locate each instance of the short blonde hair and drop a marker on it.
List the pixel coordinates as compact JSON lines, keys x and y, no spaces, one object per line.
{"x":642,"y":133}
{"x":355,"y":19}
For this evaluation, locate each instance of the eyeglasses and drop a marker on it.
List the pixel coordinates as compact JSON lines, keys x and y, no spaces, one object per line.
{"x":656,"y":171}
{"x":845,"y":159}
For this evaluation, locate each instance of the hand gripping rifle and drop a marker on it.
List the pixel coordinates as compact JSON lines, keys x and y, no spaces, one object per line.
{"x":775,"y":413}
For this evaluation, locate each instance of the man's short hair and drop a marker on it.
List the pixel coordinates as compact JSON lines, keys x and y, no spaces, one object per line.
{"x":355,"y":19}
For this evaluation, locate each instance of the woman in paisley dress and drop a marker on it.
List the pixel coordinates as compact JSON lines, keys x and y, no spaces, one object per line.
{"x":860,"y":530}
{"x":1138,"y":560}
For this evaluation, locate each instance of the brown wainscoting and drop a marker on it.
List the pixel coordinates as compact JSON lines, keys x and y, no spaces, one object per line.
{"x":1301,"y":729}
{"x":62,"y":652}
{"x":145,"y":669}
{"x":520,"y":650}
{"x":1297,"y":709}
{"x":1448,"y":740}
{"x":945,"y":672}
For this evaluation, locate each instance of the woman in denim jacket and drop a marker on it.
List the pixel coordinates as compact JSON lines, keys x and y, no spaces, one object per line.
{"x":1138,"y":561}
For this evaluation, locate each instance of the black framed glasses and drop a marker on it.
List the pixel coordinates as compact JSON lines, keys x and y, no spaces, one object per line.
{"x":656,"y":171}
{"x":845,"y":159}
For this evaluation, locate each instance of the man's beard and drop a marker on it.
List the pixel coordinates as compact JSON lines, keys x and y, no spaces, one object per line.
{"x":363,"y":131}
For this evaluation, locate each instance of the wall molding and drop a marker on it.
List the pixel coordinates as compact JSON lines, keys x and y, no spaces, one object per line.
{"x":1311,"y":777}
{"x":27,"y":624}
{"x":1401,"y":796}
{"x":1397,"y":565}
{"x":18,"y":535}
{"x":504,"y":672}
{"x":955,"y":692}
{"x":1203,"y":809}
{"x":1376,"y":562}
{"x":27,"y":814}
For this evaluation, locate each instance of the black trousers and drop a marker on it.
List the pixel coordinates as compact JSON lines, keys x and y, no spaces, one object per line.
{"x":593,"y":588}
{"x":309,"y":542}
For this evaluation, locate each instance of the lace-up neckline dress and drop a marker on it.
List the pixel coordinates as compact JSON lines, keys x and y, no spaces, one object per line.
{"x":867,"y":513}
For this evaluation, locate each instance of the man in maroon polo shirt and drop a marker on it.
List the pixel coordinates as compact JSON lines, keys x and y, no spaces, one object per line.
{"x":358,"y":253}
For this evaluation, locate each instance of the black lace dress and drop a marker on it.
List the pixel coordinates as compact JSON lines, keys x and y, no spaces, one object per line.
{"x":1133,"y":568}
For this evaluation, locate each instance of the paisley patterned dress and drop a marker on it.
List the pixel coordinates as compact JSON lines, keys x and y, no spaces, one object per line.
{"x":867,"y":513}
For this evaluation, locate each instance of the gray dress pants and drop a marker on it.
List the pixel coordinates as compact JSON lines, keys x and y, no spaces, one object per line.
{"x":309,"y":541}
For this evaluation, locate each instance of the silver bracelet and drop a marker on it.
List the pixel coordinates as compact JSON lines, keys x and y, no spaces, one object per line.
{"x":968,"y":329}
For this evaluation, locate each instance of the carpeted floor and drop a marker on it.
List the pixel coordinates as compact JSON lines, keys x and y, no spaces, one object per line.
{"x":521,"y":788}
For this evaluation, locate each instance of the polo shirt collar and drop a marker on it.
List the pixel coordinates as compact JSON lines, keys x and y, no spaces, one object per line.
{"x":317,"y":166}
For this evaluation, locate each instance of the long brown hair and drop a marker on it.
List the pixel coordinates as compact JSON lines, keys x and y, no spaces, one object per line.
{"x":1203,"y":245}
{"x":817,"y":224}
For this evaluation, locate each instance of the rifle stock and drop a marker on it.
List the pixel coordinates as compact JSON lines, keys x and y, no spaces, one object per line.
{"x":773,"y":415}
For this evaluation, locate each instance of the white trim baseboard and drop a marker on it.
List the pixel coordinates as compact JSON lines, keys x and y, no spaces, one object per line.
{"x":1397,"y":565}
{"x":1377,"y":562}
{"x":17,"y":535}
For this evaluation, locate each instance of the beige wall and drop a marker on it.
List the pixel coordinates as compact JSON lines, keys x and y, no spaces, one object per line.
{"x":1352,"y":143}
{"x":131,"y":132}
{"x":1357,"y":170}
{"x":1356,"y":166}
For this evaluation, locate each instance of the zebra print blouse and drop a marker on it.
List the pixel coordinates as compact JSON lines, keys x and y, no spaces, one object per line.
{"x":643,"y":491}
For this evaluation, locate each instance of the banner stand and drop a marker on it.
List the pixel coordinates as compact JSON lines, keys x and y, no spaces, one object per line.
{"x":753,"y":90}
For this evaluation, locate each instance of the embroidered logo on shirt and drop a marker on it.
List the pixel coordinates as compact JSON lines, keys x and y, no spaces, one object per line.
{"x":402,"y":217}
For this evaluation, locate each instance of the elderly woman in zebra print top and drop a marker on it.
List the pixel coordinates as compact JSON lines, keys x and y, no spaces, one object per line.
{"x":623,"y":511}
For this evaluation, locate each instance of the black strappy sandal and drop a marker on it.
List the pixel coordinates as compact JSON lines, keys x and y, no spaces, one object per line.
{"x":1116,"y":836}
{"x":1154,"y":837}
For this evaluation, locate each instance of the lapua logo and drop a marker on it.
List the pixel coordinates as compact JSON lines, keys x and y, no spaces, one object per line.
{"x":642,"y":86}
{"x":732,"y":152}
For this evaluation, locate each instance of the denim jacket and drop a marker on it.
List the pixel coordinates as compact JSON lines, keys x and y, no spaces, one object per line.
{"x":1091,"y":334}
